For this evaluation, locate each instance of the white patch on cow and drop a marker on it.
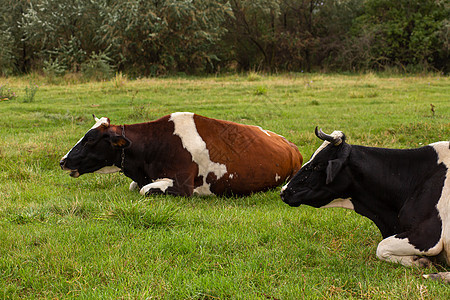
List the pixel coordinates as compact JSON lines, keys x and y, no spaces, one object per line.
{"x":401,"y":251}
{"x":443,"y":151}
{"x":263,"y":130}
{"x":163,"y":184}
{"x":98,"y":123}
{"x":108,"y":170}
{"x":187,"y":131}
{"x":133,"y":186}
{"x":443,"y":205}
{"x":231,"y":176}
{"x":284,"y":187}
{"x":343,"y":203}
{"x":277,"y":177}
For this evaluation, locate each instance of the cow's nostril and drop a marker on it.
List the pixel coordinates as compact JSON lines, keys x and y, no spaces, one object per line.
{"x":62,"y":162}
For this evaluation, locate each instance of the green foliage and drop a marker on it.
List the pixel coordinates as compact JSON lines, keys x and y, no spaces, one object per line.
{"x":97,"y":67}
{"x":119,"y":80}
{"x":53,"y":69}
{"x":30,"y":92}
{"x":6,"y":93}
{"x":62,"y":30}
{"x":260,"y":91}
{"x":6,"y":52}
{"x":403,"y":33}
{"x":151,"y":38}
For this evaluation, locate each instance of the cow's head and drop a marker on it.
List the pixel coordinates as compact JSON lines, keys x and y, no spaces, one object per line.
{"x":322,"y":179}
{"x":97,"y":151}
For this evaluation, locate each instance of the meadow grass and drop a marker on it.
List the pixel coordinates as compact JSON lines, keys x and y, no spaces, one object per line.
{"x":92,"y":238}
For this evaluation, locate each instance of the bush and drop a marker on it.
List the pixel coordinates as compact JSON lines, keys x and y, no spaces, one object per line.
{"x":6,"y":53}
{"x":6,"y":93}
{"x":30,"y":92}
{"x":97,"y":67}
{"x":53,"y":68}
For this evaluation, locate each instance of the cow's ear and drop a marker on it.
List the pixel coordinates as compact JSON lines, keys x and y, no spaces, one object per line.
{"x":335,"y":165}
{"x":120,"y":142}
{"x":333,"y":168}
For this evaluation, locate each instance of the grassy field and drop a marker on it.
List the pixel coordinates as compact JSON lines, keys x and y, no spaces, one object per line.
{"x":90,"y":237}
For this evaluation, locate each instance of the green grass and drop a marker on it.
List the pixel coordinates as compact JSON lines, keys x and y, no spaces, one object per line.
{"x":92,"y":238}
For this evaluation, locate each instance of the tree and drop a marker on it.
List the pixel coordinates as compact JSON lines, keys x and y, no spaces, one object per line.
{"x":63,"y":30}
{"x":154,"y":37}
{"x":15,"y":54}
{"x":403,"y":32}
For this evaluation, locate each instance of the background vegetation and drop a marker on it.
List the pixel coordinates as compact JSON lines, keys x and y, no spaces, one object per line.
{"x":157,"y":37}
{"x":91,"y":238}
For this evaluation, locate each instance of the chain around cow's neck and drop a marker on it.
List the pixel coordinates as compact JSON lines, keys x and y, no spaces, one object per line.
{"x":123,"y":150}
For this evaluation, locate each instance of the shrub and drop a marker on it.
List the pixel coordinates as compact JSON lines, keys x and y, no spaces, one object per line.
{"x":6,"y":53}
{"x":97,"y":67}
{"x":30,"y":92}
{"x":260,"y":91}
{"x":53,"y":68}
{"x":119,"y":80}
{"x":6,"y":93}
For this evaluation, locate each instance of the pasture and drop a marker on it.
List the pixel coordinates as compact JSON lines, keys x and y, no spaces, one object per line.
{"x":91,"y":237}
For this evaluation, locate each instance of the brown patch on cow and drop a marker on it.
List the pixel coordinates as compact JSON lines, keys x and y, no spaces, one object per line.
{"x":255,"y":159}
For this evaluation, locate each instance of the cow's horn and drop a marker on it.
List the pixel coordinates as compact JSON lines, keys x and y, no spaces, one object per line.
{"x":95,"y":118}
{"x":326,"y":137}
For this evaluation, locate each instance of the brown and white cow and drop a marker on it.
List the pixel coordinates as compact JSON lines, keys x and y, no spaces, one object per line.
{"x":184,"y":154}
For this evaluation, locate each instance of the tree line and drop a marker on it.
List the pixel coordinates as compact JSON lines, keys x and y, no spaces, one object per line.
{"x":156,"y":37}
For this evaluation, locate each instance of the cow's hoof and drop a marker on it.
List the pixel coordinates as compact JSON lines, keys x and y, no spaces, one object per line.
{"x":422,"y":262}
{"x":134,"y":186}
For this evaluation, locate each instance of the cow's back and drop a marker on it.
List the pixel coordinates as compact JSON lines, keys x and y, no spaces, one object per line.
{"x":254,"y":158}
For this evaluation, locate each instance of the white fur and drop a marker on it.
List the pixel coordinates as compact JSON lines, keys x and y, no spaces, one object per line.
{"x":443,"y":206}
{"x":187,"y":131}
{"x":263,"y":130}
{"x":133,"y":186}
{"x":163,"y":184}
{"x":343,"y":203}
{"x":108,"y":170}
{"x":277,"y":177}
{"x":401,"y":251}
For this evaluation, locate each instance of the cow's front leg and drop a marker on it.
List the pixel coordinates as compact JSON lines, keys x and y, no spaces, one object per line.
{"x":179,"y":186}
{"x":134,"y":186}
{"x":400,"y":250}
{"x":157,"y":186}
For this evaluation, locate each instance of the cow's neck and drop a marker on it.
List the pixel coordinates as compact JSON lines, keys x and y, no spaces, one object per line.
{"x":139,"y":150}
{"x":383,"y":179}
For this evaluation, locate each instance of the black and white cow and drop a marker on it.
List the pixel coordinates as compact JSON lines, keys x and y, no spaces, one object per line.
{"x":406,"y":193}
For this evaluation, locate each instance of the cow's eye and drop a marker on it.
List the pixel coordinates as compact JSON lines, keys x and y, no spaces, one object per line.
{"x":319,"y":167}
{"x":89,"y":141}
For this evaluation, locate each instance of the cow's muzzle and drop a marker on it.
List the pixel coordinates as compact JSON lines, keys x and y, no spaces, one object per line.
{"x":289,"y":197}
{"x":73,"y":173}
